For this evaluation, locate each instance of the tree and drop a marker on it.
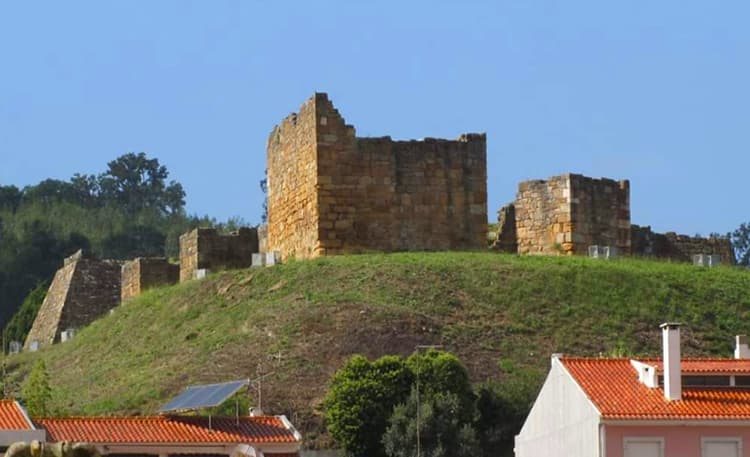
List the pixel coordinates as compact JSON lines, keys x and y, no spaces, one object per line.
{"x":36,"y":391}
{"x":136,"y":241}
{"x":136,"y":182}
{"x":10,"y":198}
{"x":441,"y":431}
{"x":20,"y":325}
{"x":264,"y":189}
{"x":441,"y":372}
{"x":361,"y":399}
{"x":128,"y":210}
{"x":741,"y":244}
{"x":30,"y":259}
{"x":363,"y":395}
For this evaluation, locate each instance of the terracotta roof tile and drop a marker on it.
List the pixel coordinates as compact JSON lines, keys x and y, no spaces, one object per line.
{"x":168,"y":429}
{"x":730,"y":366}
{"x":12,"y":416}
{"x":613,"y":386}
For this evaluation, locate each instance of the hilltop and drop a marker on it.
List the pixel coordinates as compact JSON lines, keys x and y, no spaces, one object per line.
{"x":502,"y":314}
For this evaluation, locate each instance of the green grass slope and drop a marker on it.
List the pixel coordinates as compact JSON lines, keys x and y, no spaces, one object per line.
{"x":502,"y":314}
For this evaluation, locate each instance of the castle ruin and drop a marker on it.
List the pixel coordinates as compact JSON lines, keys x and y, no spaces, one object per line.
{"x":567,"y":214}
{"x":674,"y":246}
{"x":144,"y":273}
{"x":205,"y":248}
{"x":330,"y":192}
{"x":82,"y":290}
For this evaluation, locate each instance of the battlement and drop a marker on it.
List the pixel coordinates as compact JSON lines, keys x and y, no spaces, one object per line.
{"x":331,"y":192}
{"x":205,"y":248}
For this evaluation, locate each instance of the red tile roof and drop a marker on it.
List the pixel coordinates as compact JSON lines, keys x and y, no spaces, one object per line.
{"x":728,"y":366}
{"x":12,"y":417}
{"x":613,"y":386}
{"x":168,"y":429}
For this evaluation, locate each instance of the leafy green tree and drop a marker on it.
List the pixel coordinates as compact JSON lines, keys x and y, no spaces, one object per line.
{"x":48,"y":192}
{"x":502,"y":407}
{"x":86,"y":190}
{"x":27,"y":260}
{"x":10,"y":198}
{"x":360,"y":401}
{"x":20,"y":325}
{"x":36,"y":392}
{"x":440,"y":372}
{"x":264,"y":189}
{"x":441,"y":431}
{"x":741,"y":244}
{"x":134,"y":182}
{"x":138,"y":241}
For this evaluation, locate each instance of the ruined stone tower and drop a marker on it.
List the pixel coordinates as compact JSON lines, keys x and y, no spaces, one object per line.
{"x":82,"y":290}
{"x":568,"y":213}
{"x":330,"y":192}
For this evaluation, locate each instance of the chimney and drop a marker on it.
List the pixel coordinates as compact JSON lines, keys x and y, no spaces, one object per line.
{"x":671,"y":360}
{"x":741,"y":350}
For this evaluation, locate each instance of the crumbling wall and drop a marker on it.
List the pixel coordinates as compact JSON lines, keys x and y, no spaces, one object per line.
{"x":671,"y":245}
{"x":206,"y":248}
{"x":143,"y":273}
{"x":292,"y":180}
{"x":543,"y":219}
{"x":82,"y":290}
{"x":506,"y":239}
{"x":600,"y":213}
{"x":566,"y":214}
{"x":375,"y":194}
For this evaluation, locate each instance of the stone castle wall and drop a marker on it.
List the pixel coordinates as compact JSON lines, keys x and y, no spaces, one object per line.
{"x":542,"y":216}
{"x":206,"y":248}
{"x":82,"y":290}
{"x":292,"y":180}
{"x":600,"y":210}
{"x":670,"y":245}
{"x":507,"y":237}
{"x":372,"y":194}
{"x":143,"y":273}
{"x":566,"y":214}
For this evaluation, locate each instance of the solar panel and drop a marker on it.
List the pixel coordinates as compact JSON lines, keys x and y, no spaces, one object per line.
{"x":204,"y":396}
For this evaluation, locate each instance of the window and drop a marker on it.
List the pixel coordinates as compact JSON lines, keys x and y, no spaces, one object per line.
{"x":742,"y":381}
{"x":643,"y":446}
{"x":721,"y":446}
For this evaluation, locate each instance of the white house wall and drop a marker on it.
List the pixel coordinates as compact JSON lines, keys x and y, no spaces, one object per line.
{"x":562,"y":422}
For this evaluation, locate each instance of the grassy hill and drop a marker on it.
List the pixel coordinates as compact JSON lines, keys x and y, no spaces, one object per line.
{"x":502,"y":314}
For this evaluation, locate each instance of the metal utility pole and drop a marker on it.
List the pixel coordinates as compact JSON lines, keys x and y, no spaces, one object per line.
{"x":259,"y":382}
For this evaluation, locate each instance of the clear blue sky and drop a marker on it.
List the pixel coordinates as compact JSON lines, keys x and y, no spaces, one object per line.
{"x":655,"y":92}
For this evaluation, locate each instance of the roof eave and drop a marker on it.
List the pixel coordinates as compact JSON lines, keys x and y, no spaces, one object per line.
{"x":561,"y":362}
{"x":697,"y":422}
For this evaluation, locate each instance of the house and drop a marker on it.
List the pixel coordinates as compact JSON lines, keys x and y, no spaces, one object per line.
{"x":15,"y":425}
{"x":669,"y":407}
{"x":250,"y":436}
